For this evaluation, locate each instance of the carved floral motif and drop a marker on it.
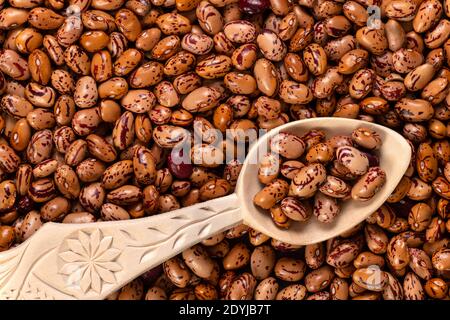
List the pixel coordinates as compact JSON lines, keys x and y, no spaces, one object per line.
{"x":90,"y":261}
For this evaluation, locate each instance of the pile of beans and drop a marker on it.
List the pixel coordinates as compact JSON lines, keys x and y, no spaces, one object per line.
{"x":324,"y":174}
{"x":96,"y":93}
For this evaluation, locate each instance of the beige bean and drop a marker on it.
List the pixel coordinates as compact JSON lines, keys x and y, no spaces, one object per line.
{"x":76,"y":152}
{"x":93,"y":41}
{"x":339,"y":289}
{"x":117,"y":174}
{"x":39,"y":66}
{"x":54,"y":49}
{"x":24,"y":175}
{"x":214,"y":188}
{"x":419,"y":190}
{"x":401,"y":10}
{"x":90,"y":170}
{"x":62,"y":81}
{"x":393,"y":289}
{"x":366,"y":259}
{"x":86,"y":94}
{"x":177,"y":272}
{"x":355,"y":12}
{"x":28,"y":40}
{"x":405,"y":60}
{"x":166,"y":48}
{"x":427,"y":15}
{"x":16,"y":106}
{"x":343,"y":254}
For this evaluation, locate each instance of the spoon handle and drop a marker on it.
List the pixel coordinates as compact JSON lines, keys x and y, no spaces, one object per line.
{"x":90,"y":261}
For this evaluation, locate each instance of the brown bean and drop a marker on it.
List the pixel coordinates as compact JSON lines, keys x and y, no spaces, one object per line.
{"x":79,"y":217}
{"x":31,"y":223}
{"x":55,"y":209}
{"x":67,"y":182}
{"x":441,"y":259}
{"x":237,"y":257}
{"x":289,"y":269}
{"x":42,"y":190}
{"x":412,"y":288}
{"x":436,"y":288}
{"x":271,"y":194}
{"x":397,"y":253}
{"x":262,"y":261}
{"x":371,"y":278}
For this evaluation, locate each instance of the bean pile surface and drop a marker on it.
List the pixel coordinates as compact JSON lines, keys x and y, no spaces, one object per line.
{"x":96,"y":93}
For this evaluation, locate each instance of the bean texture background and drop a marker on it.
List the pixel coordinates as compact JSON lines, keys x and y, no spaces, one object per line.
{"x":95,"y":96}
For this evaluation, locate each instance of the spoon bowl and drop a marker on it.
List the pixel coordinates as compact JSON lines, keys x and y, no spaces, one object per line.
{"x":90,"y":261}
{"x":394,"y":156}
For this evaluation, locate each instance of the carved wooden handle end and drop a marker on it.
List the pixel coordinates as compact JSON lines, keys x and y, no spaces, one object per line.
{"x":90,"y":261}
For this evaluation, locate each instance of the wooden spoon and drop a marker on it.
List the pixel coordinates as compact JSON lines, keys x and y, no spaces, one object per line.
{"x":90,"y":261}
